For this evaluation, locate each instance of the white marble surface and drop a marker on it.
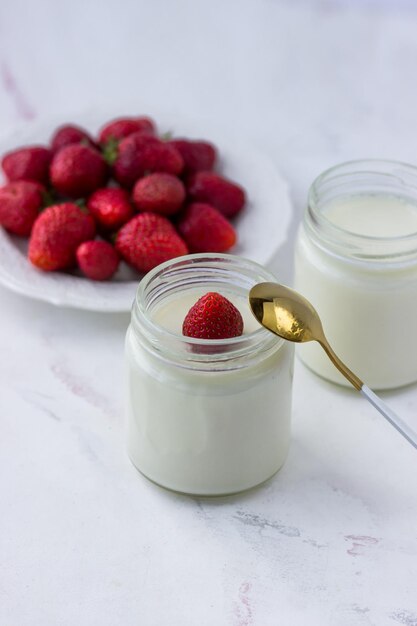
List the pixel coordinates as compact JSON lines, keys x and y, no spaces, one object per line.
{"x":84,"y":539}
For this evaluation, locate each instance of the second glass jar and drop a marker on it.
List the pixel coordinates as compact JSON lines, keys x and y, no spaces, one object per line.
{"x":364,"y":286}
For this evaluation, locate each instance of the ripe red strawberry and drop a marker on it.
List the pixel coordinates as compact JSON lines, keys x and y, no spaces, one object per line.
{"x":148,"y":240}
{"x":77,"y":170}
{"x":110,"y":207}
{"x":68,"y":134}
{"x":159,"y":193}
{"x":98,"y":260}
{"x":20,"y":202}
{"x":197,"y":155}
{"x":221,"y":193}
{"x":28,"y":163}
{"x":123,"y":127}
{"x":213,"y":317}
{"x":205,"y":229}
{"x":141,"y":154}
{"x":56,"y":234}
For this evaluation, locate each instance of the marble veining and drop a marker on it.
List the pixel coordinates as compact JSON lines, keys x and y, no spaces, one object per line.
{"x":11,"y":87}
{"x":250,"y":519}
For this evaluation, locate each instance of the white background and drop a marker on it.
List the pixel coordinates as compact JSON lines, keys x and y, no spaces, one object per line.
{"x":85,"y":540}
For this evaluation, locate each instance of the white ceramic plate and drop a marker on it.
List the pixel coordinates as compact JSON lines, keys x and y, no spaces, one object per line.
{"x":261,"y":227}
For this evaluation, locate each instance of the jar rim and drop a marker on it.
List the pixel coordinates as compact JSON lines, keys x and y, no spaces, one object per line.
{"x":175,"y":344}
{"x":354,"y":244}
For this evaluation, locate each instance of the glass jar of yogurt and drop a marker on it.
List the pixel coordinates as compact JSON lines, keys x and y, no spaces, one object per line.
{"x":356,"y":261}
{"x":205,"y":417}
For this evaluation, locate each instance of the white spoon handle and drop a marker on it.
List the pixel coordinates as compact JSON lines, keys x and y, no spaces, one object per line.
{"x":389,"y":415}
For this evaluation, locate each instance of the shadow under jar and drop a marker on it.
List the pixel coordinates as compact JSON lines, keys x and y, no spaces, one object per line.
{"x":205,"y":417}
{"x":356,"y":261}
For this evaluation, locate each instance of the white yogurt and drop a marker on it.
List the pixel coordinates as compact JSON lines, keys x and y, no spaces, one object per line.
{"x":211,"y":424}
{"x":373,"y":215}
{"x":356,"y":262}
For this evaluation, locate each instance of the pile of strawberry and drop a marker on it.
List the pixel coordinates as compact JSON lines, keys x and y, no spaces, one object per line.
{"x":126,"y":195}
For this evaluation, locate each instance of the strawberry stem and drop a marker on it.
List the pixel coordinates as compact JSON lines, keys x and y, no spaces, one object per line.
{"x":48,"y":198}
{"x":166,"y":136}
{"x":111,"y":150}
{"x":80,"y":202}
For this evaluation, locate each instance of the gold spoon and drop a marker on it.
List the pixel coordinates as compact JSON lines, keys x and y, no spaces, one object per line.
{"x":289,"y":315}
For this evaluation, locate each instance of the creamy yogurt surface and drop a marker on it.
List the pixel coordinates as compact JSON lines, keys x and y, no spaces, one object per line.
{"x":373,"y":215}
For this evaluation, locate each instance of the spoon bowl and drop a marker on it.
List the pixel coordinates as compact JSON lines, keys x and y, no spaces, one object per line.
{"x":285,"y":312}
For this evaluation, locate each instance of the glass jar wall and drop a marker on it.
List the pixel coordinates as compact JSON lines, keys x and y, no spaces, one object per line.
{"x":205,"y":417}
